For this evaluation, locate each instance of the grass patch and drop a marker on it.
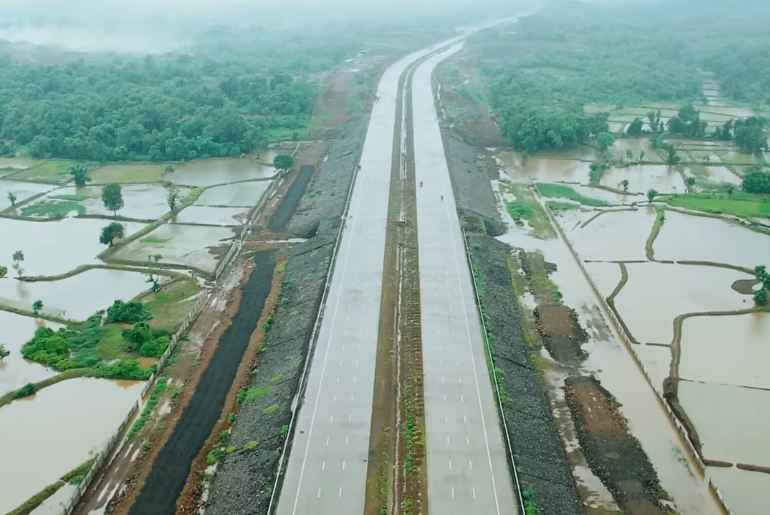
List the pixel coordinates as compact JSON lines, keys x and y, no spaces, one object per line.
{"x":277,"y":134}
{"x":171,"y":304}
{"x":128,"y":173}
{"x":526,"y":208}
{"x":537,"y":272}
{"x":738,"y":204}
{"x":555,"y":205}
{"x":76,"y":475}
{"x":155,"y":396}
{"x":53,"y":171}
{"x":660,"y":218}
{"x":253,"y":393}
{"x":561,"y":191}
{"x":53,"y":209}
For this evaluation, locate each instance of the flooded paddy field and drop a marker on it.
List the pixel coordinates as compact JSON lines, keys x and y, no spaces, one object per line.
{"x":224,"y":216}
{"x":745,"y":491}
{"x":614,"y":235}
{"x":244,"y":194}
{"x":42,"y":170}
{"x":128,"y":173}
{"x":544,"y":168}
{"x":731,"y":350}
{"x":16,"y":371}
{"x":184,"y":245}
{"x":43,"y":243}
{"x":57,"y":429}
{"x":22,"y":190}
{"x":209,"y":172}
{"x":141,"y":201}
{"x":656,"y":293}
{"x":642,"y":178}
{"x":701,"y":238}
{"x":76,"y":297}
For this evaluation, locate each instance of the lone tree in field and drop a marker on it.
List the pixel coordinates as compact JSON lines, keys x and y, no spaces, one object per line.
{"x":110,"y":233}
{"x":3,"y":351}
{"x":3,"y":271}
{"x":112,"y":196}
{"x":690,"y":182}
{"x":605,"y":140}
{"x":624,"y":184}
{"x":18,"y":262}
{"x":37,"y":306}
{"x":80,"y":174}
{"x":172,"y":198}
{"x":12,"y":198}
{"x":651,"y":195}
{"x":283,"y":162}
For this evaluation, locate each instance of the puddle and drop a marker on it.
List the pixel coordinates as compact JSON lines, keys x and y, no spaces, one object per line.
{"x":22,"y":190}
{"x":729,"y":421}
{"x":727,"y":349}
{"x":619,"y":235}
{"x":43,"y":242}
{"x":179,"y":244}
{"x":213,"y":215}
{"x":643,"y":178}
{"x":53,"y":432}
{"x":656,"y":293}
{"x":208,"y":172}
{"x":239,"y":195}
{"x":687,"y":237}
{"x":15,"y":371}
{"x":76,"y":297}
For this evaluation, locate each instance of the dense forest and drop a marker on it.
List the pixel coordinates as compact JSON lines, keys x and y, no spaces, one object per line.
{"x":540,"y":76}
{"x":166,"y":107}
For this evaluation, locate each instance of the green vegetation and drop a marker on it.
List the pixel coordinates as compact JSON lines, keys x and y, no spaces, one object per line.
{"x":171,"y":304}
{"x":112,"y":197}
{"x":756,"y":181}
{"x":283,"y":162}
{"x":79,"y":174}
{"x":4,"y":352}
{"x":717,"y":202}
{"x":597,"y":172}
{"x":660,"y":219}
{"x":111,"y":232}
{"x":128,"y":312}
{"x":49,"y":171}
{"x":530,"y":506}
{"x":3,"y":271}
{"x":526,"y":208}
{"x":128,"y":173}
{"x":562,"y":191}
{"x":53,"y":208}
{"x":37,"y":306}
{"x":761,"y":295}
{"x":157,"y":391}
{"x":253,"y":393}
{"x":687,"y":122}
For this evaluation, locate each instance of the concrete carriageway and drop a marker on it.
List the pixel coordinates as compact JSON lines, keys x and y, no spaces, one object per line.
{"x":467,"y":468}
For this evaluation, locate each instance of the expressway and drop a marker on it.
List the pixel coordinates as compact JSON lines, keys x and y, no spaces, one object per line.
{"x":467,"y":459}
{"x":327,"y":464}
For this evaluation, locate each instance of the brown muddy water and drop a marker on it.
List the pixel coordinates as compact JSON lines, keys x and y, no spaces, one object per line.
{"x":656,"y":293}
{"x":57,"y":429}
{"x":544,"y":168}
{"x":727,"y":350}
{"x":43,"y":242}
{"x":207,"y":172}
{"x":687,"y":237}
{"x":643,"y":178}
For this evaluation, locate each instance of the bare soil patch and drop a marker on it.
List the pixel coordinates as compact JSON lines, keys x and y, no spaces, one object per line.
{"x":561,"y":332}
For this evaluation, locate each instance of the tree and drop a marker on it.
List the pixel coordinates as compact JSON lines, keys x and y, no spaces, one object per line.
{"x":3,"y":351}
{"x":80,"y":174}
{"x":624,"y":184}
{"x":172,"y":198}
{"x":760,"y":272}
{"x":629,"y":154}
{"x":672,"y":157}
{"x":12,"y":198}
{"x":111,"y":232}
{"x":642,"y":153}
{"x":751,"y":134}
{"x":283,"y":162}
{"x":605,"y":140}
{"x":688,"y":123}
{"x":761,"y":297}
{"x":37,"y":306}
{"x":3,"y":271}
{"x":651,"y":195}
{"x":112,"y":196}
{"x":18,"y":262}
{"x":756,"y":181}
{"x":690,"y":182}
{"x":635,"y":128}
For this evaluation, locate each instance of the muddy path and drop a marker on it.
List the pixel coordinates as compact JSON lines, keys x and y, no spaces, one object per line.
{"x":172,"y":465}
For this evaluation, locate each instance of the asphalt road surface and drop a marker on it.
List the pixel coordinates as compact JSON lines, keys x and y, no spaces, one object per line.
{"x":468,"y":471}
{"x":326,"y":469}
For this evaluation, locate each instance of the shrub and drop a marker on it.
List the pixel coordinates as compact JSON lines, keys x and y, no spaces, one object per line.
{"x":25,"y":391}
{"x":756,"y":181}
{"x":128,"y":312}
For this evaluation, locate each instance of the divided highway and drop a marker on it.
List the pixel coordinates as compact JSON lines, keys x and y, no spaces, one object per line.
{"x":326,"y":469}
{"x":467,"y":459}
